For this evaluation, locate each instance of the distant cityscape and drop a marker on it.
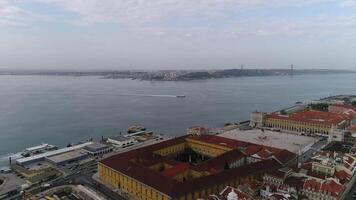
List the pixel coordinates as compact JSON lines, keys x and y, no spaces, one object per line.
{"x":180,"y":75}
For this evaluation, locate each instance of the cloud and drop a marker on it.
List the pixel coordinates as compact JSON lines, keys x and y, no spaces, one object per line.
{"x":347,"y":3}
{"x":13,"y":15}
{"x":143,"y":11}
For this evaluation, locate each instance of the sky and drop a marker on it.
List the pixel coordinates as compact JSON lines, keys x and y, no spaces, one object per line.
{"x":177,"y":34}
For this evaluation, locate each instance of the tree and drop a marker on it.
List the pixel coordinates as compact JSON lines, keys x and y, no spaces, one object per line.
{"x":353,"y":103}
{"x":320,"y":107}
{"x":283,"y":112}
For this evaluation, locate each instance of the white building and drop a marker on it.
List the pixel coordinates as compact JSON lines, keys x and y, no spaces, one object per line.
{"x":257,"y":119}
{"x":97,"y":149}
{"x":122,"y":141}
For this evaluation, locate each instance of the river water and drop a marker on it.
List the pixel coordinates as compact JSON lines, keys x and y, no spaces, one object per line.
{"x":64,"y":109}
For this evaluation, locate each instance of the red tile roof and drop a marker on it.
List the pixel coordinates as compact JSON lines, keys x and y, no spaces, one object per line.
{"x":312,"y":184}
{"x":296,"y":182}
{"x":277,"y":174}
{"x":252,"y":149}
{"x":264,"y":153}
{"x":175,"y":170}
{"x":285,"y":156}
{"x":352,"y":128}
{"x":349,"y":107}
{"x":132,"y":164}
{"x":342,"y":175}
{"x":316,"y":175}
{"x":316,"y":117}
{"x":307,"y":166}
{"x":251,"y":184}
{"x":335,"y":189}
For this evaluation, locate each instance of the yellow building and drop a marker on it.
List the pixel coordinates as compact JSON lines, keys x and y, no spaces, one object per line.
{"x":313,"y":122}
{"x":183,"y":168}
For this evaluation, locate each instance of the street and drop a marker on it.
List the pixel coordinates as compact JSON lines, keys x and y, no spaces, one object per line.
{"x":314,"y":148}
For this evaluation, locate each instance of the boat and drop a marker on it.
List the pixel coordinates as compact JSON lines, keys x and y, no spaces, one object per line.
{"x":38,"y":149}
{"x":135,"y":128}
{"x":180,"y":96}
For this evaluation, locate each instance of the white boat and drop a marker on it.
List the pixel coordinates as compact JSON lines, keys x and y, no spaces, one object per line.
{"x":38,"y":149}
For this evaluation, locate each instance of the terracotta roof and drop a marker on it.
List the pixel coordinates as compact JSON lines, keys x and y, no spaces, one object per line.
{"x":349,"y":107}
{"x":264,"y":153}
{"x":285,"y":156}
{"x":252,"y":149}
{"x":132,"y":164}
{"x":332,"y":187}
{"x":307,"y":165}
{"x":252,"y":184}
{"x":349,"y":159}
{"x":312,"y":184}
{"x":175,"y":170}
{"x":296,"y":182}
{"x":316,"y":175}
{"x":316,"y":117}
{"x":342,"y":175}
{"x":352,"y":128}
{"x":277,"y":174}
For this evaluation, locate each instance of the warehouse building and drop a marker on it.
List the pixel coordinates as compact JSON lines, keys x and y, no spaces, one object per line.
{"x":41,"y":157}
{"x":68,"y":157}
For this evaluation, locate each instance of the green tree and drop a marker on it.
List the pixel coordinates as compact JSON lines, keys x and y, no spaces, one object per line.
{"x":320,"y":107}
{"x":353,"y":103}
{"x":283,"y":112}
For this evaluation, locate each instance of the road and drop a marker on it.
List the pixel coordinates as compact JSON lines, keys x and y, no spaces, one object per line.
{"x":82,"y":176}
{"x":349,"y":196}
{"x":314,"y":148}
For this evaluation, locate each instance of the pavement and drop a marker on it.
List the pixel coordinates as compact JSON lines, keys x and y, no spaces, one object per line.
{"x":293,"y":142}
{"x":351,"y":193}
{"x":11,"y":182}
{"x":313,"y":149}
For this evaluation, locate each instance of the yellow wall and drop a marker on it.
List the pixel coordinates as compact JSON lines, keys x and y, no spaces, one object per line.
{"x":297,"y":126}
{"x":129,"y":185}
{"x":143,"y":192}
{"x":188,"y":175}
{"x":320,"y":168}
{"x":171,"y":149}
{"x":207,"y":149}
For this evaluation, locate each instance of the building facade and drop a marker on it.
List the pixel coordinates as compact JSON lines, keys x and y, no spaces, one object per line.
{"x":309,"y":122}
{"x":184,"y":168}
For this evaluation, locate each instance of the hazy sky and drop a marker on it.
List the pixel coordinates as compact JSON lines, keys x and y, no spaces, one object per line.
{"x":177,"y":34}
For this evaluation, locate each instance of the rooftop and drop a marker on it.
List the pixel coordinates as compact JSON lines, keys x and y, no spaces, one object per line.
{"x":76,"y":154}
{"x":95,"y":147}
{"x":317,"y":117}
{"x":119,"y":138}
{"x":51,"y":153}
{"x":136,"y":164}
